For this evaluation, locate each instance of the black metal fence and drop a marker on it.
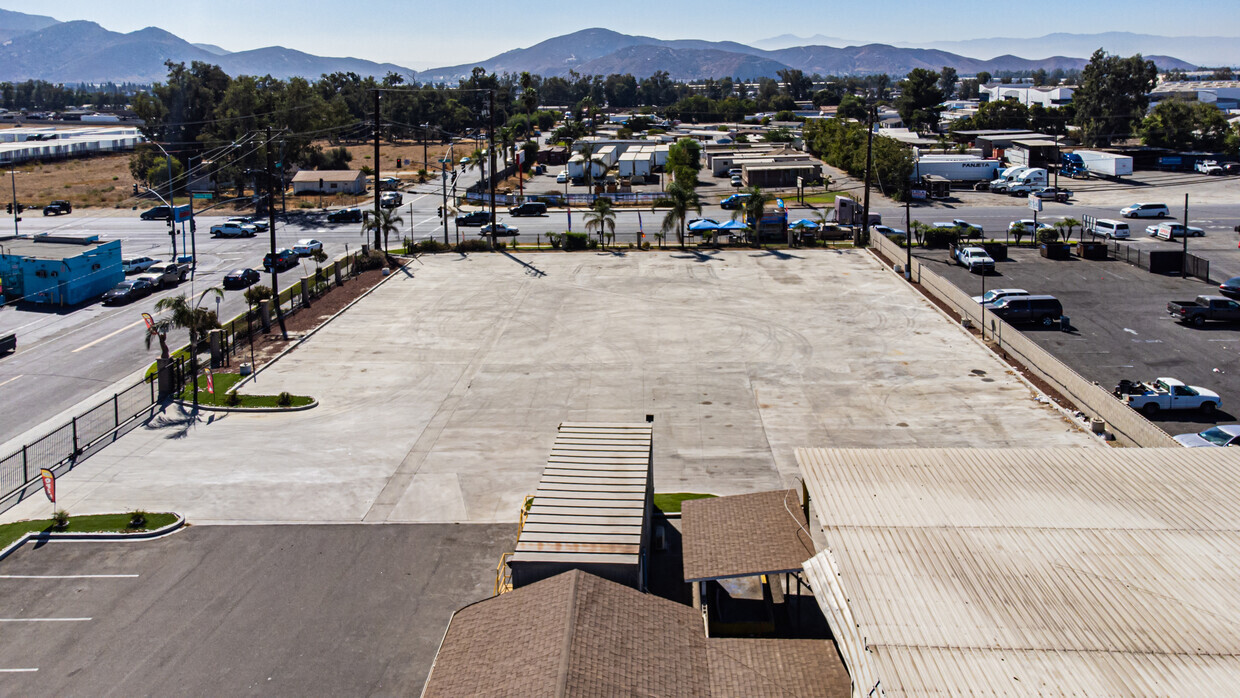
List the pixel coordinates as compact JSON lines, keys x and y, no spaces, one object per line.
{"x":65,"y":443}
{"x":1162,"y":261}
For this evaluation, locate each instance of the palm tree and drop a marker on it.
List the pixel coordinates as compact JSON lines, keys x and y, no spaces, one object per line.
{"x":194,"y":318}
{"x":385,"y":222}
{"x":680,"y":200}
{"x":753,"y":210}
{"x":159,"y":330}
{"x":1071,"y":224}
{"x":477,"y":161}
{"x":588,"y":161}
{"x":601,"y":217}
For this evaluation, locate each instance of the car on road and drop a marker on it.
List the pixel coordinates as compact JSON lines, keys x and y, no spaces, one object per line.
{"x":529,"y":208}
{"x":345,"y":215}
{"x":1026,"y":226}
{"x":391,"y":199}
{"x":156,"y":213}
{"x":128,"y":291}
{"x":1197,"y":312}
{"x":995,"y":294}
{"x":1209,"y":167}
{"x":1109,"y":229}
{"x":1041,"y":309}
{"x":501,"y":230}
{"x":1145,"y":211}
{"x":1220,"y":436}
{"x":284,"y":259}
{"x":562,"y":177}
{"x":240,"y":278}
{"x":887,"y":230}
{"x":1166,"y":394}
{"x":57,"y":208}
{"x":389,"y":184}
{"x":136,"y":265}
{"x":165,"y":274}
{"x":734,"y":201}
{"x":1053,"y":194}
{"x":963,"y":228}
{"x":306,"y":247}
{"x":1230,"y":287}
{"x":737,"y":181}
{"x":1170,"y":231}
{"x":233,"y":229}
{"x":474,"y":218}
{"x":259,"y":224}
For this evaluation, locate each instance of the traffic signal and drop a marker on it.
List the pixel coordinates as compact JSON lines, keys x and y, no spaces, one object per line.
{"x":21,"y":207}
{"x":135,"y":188}
{"x":439,"y":212}
{"x":8,"y":208}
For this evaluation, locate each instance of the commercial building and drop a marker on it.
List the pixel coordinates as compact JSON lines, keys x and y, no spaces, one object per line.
{"x":58,"y":269}
{"x":781,"y":175}
{"x":1028,"y":95}
{"x":27,"y":143}
{"x":329,"y":182}
{"x":1224,"y":94}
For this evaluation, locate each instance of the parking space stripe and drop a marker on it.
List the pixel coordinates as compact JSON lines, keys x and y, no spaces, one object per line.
{"x":18,"y":671}
{"x":43,"y":620}
{"x":67,"y":576}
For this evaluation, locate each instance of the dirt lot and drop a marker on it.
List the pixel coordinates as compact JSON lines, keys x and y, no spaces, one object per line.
{"x":102,"y":180}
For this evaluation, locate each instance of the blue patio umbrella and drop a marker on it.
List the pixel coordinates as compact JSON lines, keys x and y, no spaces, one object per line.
{"x":734,"y":225}
{"x":703,"y":224}
{"x":804,"y":223}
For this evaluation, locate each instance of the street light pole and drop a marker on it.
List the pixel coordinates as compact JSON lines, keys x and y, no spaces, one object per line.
{"x":271,"y":227}
{"x":16,"y":219}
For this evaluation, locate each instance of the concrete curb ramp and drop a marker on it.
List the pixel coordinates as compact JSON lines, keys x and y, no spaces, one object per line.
{"x":46,"y":536}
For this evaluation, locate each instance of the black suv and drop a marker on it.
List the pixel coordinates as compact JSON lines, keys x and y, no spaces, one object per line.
{"x":158,"y":213}
{"x":345,"y":215}
{"x":57,"y":208}
{"x":474,"y":218}
{"x":1045,"y":310}
{"x":529,"y":208}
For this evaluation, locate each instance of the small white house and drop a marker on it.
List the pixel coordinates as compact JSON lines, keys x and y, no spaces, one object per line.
{"x":329,"y":182}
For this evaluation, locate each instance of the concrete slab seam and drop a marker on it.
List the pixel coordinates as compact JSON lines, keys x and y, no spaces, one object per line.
{"x":51,"y":536}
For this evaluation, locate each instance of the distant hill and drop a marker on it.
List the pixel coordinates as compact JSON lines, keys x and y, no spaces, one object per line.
{"x":16,"y":23}
{"x":602,"y":51}
{"x":1196,"y":50}
{"x":212,"y":48}
{"x":792,"y":40}
{"x":81,"y":51}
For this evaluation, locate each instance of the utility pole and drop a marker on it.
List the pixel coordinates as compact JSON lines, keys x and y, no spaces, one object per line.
{"x":908,"y":243}
{"x":444,"y":182}
{"x":377,"y":196}
{"x":16,"y":219}
{"x":172,"y":216}
{"x":491,"y":160}
{"x":425,"y":161}
{"x":271,"y":227}
{"x":1184,"y":254}
{"x":869,"y":142}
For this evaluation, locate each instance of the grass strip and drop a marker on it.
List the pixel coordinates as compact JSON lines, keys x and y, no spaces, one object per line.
{"x":669,"y":502}
{"x":94,"y":523}
{"x":224,"y":382}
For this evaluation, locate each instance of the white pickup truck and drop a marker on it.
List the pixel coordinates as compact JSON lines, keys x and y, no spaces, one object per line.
{"x":233,"y":229}
{"x":1166,"y":394}
{"x":975,"y":259}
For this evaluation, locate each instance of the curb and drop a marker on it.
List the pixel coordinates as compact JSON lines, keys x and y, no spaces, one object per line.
{"x":225,"y":408}
{"x":310,"y":334}
{"x":46,"y":536}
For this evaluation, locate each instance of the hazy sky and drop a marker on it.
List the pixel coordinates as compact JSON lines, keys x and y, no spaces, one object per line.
{"x":419,"y":34}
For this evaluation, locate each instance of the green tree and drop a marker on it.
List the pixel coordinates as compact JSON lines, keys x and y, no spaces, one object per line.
{"x":602,"y":219}
{"x":919,"y":95}
{"x":195,"y":318}
{"x":680,"y":200}
{"x":386,"y":222}
{"x":1181,"y":125}
{"x":1112,"y":96}
{"x":947,"y":82}
{"x":796,"y":84}
{"x":752,"y":210}
{"x":851,"y":107}
{"x":983,"y":77}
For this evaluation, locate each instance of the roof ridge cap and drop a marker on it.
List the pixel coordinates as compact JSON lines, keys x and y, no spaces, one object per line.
{"x":561,"y":687}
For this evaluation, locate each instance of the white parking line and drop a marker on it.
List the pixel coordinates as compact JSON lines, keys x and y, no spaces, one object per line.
{"x":12,"y":379}
{"x":67,"y":576}
{"x":43,"y":620}
{"x":17,"y":671}
{"x":107,"y":336}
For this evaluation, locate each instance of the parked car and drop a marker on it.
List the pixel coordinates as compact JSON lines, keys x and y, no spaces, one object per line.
{"x":1026,"y":226}
{"x":307,"y":247}
{"x":259,"y":224}
{"x":529,"y":208}
{"x":165,"y":274}
{"x":57,"y":208}
{"x":887,"y":230}
{"x":1145,"y":211}
{"x":1024,"y":188}
{"x":240,"y":278}
{"x":975,"y":259}
{"x":1044,"y":310}
{"x":233,"y":229}
{"x":1170,"y":231}
{"x":284,"y":259}
{"x":1209,"y":167}
{"x":1109,"y":229}
{"x":1219,"y":436}
{"x":1230,"y":287}
{"x":1197,"y":312}
{"x":736,"y":181}
{"x":345,"y":215}
{"x":501,"y":230}
{"x":1053,"y":193}
{"x":474,"y":218}
{"x":156,"y":213}
{"x":137,"y":265}
{"x":562,"y":177}
{"x":995,"y":294}
{"x":128,"y":291}
{"x":1166,"y":394}
{"x":389,"y":184}
{"x":963,"y":228}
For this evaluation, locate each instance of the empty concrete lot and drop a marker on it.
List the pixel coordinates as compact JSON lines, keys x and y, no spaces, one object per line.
{"x":240,"y":610}
{"x":440,"y":393}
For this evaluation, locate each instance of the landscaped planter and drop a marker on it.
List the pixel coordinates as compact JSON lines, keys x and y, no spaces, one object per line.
{"x":1091,"y":250}
{"x":1056,"y":250}
{"x":996,"y":250}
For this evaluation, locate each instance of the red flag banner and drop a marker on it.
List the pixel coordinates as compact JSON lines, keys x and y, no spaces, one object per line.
{"x":150,"y":321}
{"x":210,"y":383}
{"x":49,"y":483}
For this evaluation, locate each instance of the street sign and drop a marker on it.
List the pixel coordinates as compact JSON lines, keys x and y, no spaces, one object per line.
{"x":181,"y":213}
{"x":203,"y":195}
{"x":1035,"y":204}
{"x":918,"y":193}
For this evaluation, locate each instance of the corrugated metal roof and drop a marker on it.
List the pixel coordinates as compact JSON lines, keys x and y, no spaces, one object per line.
{"x":591,"y":501}
{"x":1016,"y":572}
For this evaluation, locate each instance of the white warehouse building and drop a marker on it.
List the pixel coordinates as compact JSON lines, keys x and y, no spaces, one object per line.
{"x":1028,"y":95}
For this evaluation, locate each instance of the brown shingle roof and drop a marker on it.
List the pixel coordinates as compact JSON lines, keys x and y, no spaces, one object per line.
{"x":744,"y":535}
{"x":776,"y":667}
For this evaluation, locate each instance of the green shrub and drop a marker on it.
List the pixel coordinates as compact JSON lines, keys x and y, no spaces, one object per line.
{"x":257,"y":294}
{"x":284,"y":399}
{"x":472,"y":245}
{"x":431,"y":246}
{"x":898,"y":239}
{"x":1048,"y":236}
{"x":137,"y":519}
{"x":941,"y":237}
{"x":60,"y":520}
{"x":578,"y":241}
{"x":374,"y":259}
{"x":233,"y":399}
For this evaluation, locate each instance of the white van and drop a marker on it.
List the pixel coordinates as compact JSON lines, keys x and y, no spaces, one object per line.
{"x":1109,"y":229}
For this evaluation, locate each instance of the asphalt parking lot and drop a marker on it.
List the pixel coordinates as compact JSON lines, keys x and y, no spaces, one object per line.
{"x":1120,"y":327}
{"x":239,"y":610}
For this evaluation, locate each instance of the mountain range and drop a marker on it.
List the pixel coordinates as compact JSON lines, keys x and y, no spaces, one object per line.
{"x":43,"y":48}
{"x":33,"y":47}
{"x":602,"y":51}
